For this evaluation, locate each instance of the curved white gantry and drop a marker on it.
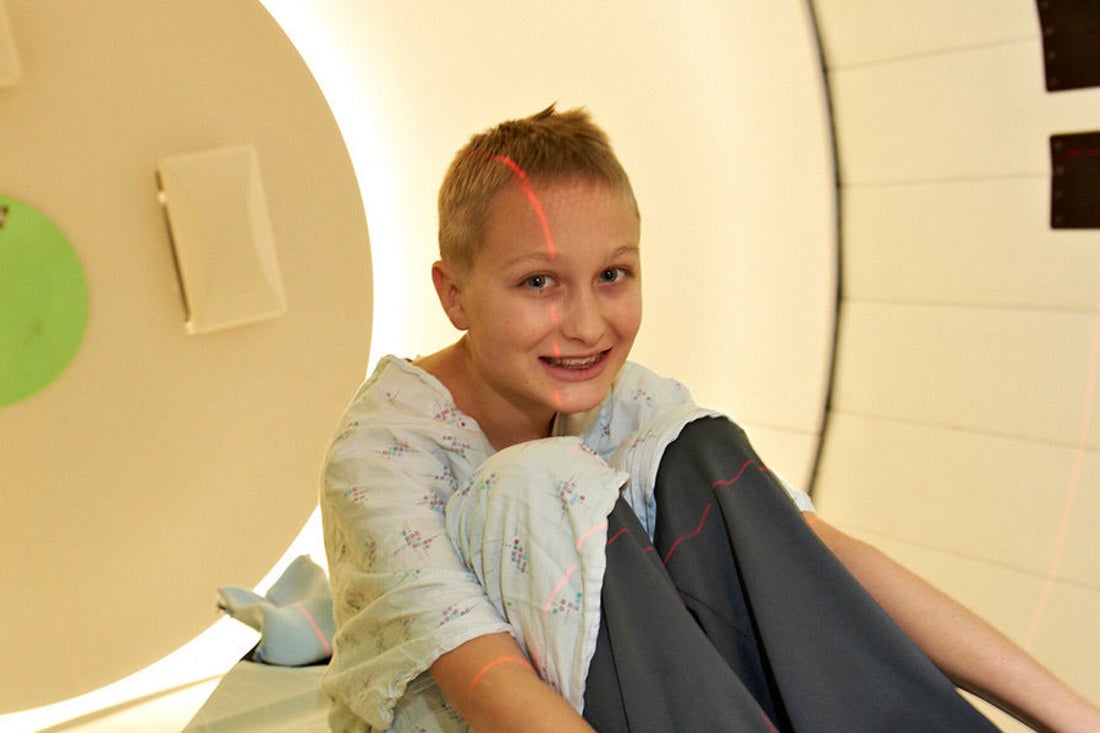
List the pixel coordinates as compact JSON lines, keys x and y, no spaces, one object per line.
{"x":959,"y":423}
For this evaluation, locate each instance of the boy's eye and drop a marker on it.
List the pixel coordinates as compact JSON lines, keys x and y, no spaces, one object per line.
{"x":536,"y":282}
{"x":612,"y":274}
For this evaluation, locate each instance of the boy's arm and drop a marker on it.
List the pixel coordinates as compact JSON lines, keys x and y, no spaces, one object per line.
{"x":974,"y":655}
{"x":495,"y":689}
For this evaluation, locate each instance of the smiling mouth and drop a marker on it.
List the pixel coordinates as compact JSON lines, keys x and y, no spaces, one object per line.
{"x":575,"y":363}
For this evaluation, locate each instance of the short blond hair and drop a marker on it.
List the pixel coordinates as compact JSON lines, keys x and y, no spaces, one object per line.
{"x":547,"y":146}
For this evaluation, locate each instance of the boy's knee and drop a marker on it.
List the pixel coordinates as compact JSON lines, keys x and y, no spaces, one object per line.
{"x":526,"y":468}
{"x":532,"y":527}
{"x":715,"y":430}
{"x":555,"y":485}
{"x":530,"y":478}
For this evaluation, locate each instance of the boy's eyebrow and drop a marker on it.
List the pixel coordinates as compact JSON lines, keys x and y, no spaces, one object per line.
{"x":631,"y":249}
{"x":546,"y":256}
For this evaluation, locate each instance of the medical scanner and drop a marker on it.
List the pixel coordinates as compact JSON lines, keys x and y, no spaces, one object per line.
{"x":863,"y":237}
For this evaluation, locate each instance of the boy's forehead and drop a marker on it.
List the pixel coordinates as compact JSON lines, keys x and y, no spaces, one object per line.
{"x":574,"y":195}
{"x":525,"y":223}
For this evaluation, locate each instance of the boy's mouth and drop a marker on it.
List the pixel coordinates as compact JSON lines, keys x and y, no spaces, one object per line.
{"x":578,"y":363}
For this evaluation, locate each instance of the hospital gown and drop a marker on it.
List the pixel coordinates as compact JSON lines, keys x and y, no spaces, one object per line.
{"x":408,"y":490}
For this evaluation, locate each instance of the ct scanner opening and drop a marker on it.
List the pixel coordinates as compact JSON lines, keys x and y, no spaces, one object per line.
{"x":960,"y":428}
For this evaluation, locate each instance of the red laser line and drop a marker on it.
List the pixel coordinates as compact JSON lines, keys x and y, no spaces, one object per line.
{"x":1075,"y":475}
{"x":316,"y":628}
{"x":618,"y":534}
{"x":767,"y":720}
{"x":689,"y":535}
{"x":558,"y":587}
{"x":529,"y":192}
{"x":551,"y":250}
{"x":736,"y":478}
{"x":494,"y":663}
{"x":556,"y":318}
{"x":586,"y":535}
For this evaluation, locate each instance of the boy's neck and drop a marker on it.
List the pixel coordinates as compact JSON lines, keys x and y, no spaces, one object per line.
{"x":503,"y":423}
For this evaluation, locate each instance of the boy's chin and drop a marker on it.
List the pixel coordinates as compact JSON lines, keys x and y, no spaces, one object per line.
{"x":582,"y":400}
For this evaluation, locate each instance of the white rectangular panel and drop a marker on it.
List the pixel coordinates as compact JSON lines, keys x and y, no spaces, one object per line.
{"x":222,"y":236}
{"x":981,"y":242}
{"x":858,"y":32}
{"x":999,"y":500}
{"x":10,"y":69}
{"x":962,"y":114}
{"x":1009,"y":372}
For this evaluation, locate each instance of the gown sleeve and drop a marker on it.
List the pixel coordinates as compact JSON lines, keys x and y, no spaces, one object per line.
{"x":402,"y":596}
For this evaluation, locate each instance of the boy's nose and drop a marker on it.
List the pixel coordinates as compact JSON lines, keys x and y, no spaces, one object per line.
{"x":581,"y":319}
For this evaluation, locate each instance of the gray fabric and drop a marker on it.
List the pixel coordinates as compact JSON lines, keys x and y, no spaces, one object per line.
{"x":800,"y":638}
{"x":654,"y":669}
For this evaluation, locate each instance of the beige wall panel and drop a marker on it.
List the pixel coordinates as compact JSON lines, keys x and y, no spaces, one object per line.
{"x":1079,"y":561}
{"x":1009,"y":600}
{"x":965,"y":114}
{"x":999,"y":500}
{"x":860,"y":32}
{"x":788,"y":453}
{"x":1068,"y":636}
{"x":1005,"y":597}
{"x":1004,"y":372}
{"x":964,"y":435}
{"x":982,"y":242}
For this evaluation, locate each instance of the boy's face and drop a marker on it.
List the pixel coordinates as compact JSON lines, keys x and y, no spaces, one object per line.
{"x":552,"y":301}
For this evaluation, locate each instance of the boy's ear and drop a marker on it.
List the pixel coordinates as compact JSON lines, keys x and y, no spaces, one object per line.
{"x":449,"y":290}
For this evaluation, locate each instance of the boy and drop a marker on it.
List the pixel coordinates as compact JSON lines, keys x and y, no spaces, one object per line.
{"x":488,"y":509}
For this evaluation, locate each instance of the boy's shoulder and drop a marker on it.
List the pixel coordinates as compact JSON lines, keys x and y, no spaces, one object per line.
{"x":399,"y":387}
{"x":646,"y":390}
{"x":402,"y":404}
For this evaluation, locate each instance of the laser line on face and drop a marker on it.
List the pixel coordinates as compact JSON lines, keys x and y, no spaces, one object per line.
{"x":551,"y":251}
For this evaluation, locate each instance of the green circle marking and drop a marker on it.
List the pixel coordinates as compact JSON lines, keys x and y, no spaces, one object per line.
{"x":43,"y":302}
